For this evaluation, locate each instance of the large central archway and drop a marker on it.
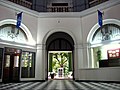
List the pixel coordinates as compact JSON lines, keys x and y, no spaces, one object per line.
{"x":60,"y":52}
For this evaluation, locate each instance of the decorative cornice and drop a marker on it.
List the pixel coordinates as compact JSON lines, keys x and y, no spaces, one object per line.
{"x":41,"y":46}
{"x":78,"y":46}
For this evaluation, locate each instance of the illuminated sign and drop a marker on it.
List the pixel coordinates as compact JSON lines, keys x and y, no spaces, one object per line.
{"x":114,"y":53}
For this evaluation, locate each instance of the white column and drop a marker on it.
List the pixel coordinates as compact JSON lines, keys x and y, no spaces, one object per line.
{"x":89,"y":55}
{"x":40,"y":62}
{"x":78,"y":60}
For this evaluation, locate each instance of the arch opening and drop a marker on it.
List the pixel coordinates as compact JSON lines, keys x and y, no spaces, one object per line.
{"x":8,"y":27}
{"x":104,"y":42}
{"x":60,"y":50}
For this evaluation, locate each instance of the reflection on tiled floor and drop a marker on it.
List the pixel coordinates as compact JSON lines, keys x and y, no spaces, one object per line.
{"x":60,"y":85}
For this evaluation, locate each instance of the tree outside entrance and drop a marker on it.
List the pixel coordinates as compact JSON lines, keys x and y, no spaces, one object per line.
{"x":60,"y":63}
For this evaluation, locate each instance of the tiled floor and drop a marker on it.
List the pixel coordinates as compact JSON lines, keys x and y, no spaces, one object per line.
{"x":60,"y":85}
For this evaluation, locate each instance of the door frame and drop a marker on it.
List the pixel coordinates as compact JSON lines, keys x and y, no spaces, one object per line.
{"x":59,"y":35}
{"x":72,"y":64}
{"x":12,"y":52}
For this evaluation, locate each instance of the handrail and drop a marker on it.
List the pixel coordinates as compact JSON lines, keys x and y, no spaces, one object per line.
{"x":23,"y":3}
{"x":59,"y":9}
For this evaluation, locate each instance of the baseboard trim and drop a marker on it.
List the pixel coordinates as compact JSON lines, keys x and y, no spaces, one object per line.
{"x":97,"y":81}
{"x":34,"y":81}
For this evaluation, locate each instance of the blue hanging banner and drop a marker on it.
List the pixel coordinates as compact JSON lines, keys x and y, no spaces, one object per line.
{"x":19,"y":19}
{"x":100,"y":18}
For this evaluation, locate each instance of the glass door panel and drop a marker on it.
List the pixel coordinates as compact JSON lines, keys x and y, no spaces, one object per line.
{"x":6,"y":68}
{"x":16,"y":61}
{"x":15,"y":68}
{"x":7,"y":61}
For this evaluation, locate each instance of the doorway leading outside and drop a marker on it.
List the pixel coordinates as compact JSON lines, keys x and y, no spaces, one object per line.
{"x":60,"y":65}
{"x":60,"y":52}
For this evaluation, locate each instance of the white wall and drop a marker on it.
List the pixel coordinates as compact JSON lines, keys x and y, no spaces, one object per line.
{"x":56,"y":24}
{"x":9,"y":10}
{"x":100,"y":74}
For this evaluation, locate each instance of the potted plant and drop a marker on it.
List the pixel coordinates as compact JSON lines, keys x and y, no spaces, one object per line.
{"x":52,"y":75}
{"x":99,"y":55}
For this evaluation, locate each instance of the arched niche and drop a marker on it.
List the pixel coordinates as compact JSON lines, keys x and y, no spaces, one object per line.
{"x":100,"y":40}
{"x":58,"y":30}
{"x":46,"y":45}
{"x":60,"y":41}
{"x":9,"y":33}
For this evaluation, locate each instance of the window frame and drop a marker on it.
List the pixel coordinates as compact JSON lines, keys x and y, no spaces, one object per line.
{"x":31,"y":70}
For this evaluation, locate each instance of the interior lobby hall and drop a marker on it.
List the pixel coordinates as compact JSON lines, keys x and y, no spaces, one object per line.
{"x":60,"y":44}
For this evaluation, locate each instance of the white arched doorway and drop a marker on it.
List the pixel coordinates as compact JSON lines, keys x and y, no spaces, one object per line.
{"x":13,"y":45}
{"x":101,"y":40}
{"x":45,"y":53}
